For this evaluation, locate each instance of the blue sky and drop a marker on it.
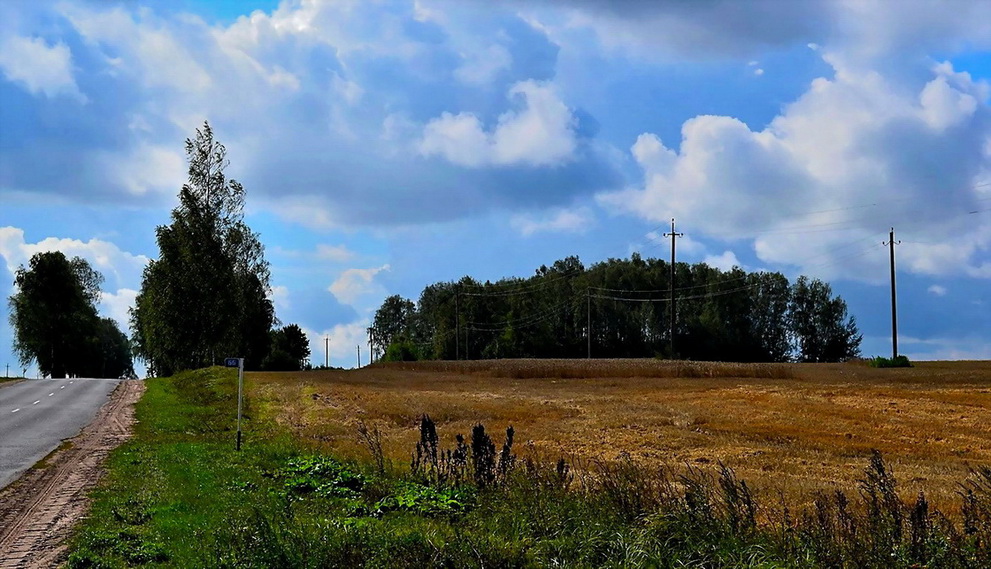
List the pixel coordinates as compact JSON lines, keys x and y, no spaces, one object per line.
{"x":388,"y":145}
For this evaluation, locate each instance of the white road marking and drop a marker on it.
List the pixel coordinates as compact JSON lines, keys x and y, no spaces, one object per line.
{"x":16,"y":410}
{"x":36,"y":402}
{"x":63,"y":387}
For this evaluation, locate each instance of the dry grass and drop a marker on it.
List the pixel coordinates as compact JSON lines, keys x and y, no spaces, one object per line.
{"x":788,"y":429}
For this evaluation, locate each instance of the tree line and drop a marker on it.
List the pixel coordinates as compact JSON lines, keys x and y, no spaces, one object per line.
{"x":620,"y":308}
{"x":205,"y":298}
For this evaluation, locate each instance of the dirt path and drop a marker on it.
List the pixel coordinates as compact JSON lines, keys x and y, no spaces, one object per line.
{"x":38,"y":511}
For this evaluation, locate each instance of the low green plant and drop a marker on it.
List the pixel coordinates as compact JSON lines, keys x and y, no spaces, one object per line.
{"x":882,"y":362}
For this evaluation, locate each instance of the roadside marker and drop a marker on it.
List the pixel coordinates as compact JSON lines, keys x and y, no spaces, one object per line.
{"x":239,"y":364}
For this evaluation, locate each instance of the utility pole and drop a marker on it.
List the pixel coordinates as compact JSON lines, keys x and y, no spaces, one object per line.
{"x":588,"y":316}
{"x":371,"y":352}
{"x":359,"y":354}
{"x":894,"y":309}
{"x":457,"y":324}
{"x":326,"y":351}
{"x":673,"y":235}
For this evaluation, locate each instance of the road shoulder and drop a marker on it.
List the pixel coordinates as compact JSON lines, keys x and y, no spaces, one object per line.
{"x":38,"y":511}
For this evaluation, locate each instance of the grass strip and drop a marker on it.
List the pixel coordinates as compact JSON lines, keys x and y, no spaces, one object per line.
{"x":178,"y":495}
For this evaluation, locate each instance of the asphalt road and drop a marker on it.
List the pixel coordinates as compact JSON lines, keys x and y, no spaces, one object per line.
{"x":37,"y":414}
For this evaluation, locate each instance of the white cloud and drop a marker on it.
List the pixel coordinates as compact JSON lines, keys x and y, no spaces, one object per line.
{"x":39,"y":67}
{"x":937,"y":290}
{"x":799,"y":188}
{"x":280,"y":297}
{"x":726,"y":261}
{"x":356,"y":284}
{"x":116,"y":305}
{"x":539,"y":133}
{"x":482,"y":67}
{"x":562,"y":221}
{"x":104,"y":256}
{"x":336,"y":253}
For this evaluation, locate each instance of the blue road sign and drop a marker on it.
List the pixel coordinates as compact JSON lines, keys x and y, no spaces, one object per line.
{"x":232,"y":362}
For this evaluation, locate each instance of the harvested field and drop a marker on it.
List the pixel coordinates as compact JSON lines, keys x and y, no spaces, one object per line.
{"x":789,"y":429}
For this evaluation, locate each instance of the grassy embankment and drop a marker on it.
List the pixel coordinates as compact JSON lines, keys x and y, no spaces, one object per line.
{"x":178,"y":495}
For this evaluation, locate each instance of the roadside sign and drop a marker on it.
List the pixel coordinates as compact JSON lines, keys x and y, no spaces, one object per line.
{"x":232,"y":362}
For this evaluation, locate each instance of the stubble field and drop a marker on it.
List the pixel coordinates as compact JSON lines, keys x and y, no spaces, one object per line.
{"x":789,"y":430}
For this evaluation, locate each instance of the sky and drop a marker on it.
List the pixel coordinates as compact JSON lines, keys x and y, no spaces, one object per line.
{"x":387,"y":145}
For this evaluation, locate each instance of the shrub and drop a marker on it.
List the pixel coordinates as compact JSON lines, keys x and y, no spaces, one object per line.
{"x":404,"y":351}
{"x":881,"y":362}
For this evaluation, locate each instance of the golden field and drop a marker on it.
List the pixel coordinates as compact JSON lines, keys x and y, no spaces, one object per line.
{"x":787,"y":429}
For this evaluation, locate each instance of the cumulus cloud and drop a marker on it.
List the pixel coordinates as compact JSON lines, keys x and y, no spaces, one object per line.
{"x":338,"y":95}
{"x":355,"y":285}
{"x":113,"y":262}
{"x":726,"y":261}
{"x":937,"y":290}
{"x":577,"y":220}
{"x":539,"y":133}
{"x":39,"y":67}
{"x":797,"y":187}
{"x":116,"y":305}
{"x":868,"y":32}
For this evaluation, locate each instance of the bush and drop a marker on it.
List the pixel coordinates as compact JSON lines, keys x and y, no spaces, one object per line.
{"x":404,"y":351}
{"x":898,"y":361}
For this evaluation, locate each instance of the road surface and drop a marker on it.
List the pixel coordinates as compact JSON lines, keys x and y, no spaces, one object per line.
{"x":36,"y":415}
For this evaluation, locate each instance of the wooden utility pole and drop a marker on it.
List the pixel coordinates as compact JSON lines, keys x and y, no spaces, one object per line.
{"x":588,"y":315}
{"x":894,"y":308}
{"x":359,"y":354}
{"x":673,"y":235}
{"x":457,"y":322}
{"x":326,"y":351}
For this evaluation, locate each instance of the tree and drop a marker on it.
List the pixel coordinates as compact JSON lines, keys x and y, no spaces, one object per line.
{"x":290,"y":348}
{"x":55,"y":321}
{"x":206,"y":296}
{"x":819,"y":324}
{"x":393,"y":322}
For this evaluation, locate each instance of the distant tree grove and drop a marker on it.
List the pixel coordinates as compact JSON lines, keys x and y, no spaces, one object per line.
{"x":56,"y":324}
{"x":620,"y":308}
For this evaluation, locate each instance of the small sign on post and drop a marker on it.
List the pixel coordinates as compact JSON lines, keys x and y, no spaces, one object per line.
{"x":239,"y":364}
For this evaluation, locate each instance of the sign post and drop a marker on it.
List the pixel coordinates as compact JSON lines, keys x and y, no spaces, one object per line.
{"x":239,"y":364}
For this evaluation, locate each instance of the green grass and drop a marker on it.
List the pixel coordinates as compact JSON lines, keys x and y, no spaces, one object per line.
{"x":178,"y":495}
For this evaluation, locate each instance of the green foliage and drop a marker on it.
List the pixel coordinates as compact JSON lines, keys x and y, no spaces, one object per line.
{"x":178,"y":495}
{"x":205,"y":297}
{"x":392,"y":324}
{"x":53,"y":313}
{"x":401,"y":351}
{"x":428,"y":501}
{"x":882,"y":362}
{"x":322,"y":476}
{"x":820,"y":324}
{"x":289,"y":350}
{"x":567,"y":310}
